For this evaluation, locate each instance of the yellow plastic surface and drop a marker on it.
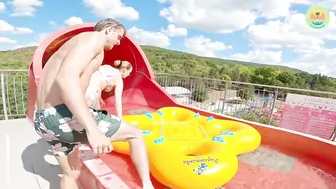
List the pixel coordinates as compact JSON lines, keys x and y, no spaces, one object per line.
{"x":191,"y":151}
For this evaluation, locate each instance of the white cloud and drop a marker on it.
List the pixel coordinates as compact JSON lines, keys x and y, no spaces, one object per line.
{"x":148,"y":37}
{"x":173,"y":31}
{"x":42,"y":36}
{"x":53,"y":24}
{"x":112,"y":9}
{"x":320,"y":61}
{"x":31,"y":44}
{"x":37,"y":40}
{"x":2,"y":7}
{"x":203,"y":46}
{"x":6,"y":27}
{"x":224,"y":16}
{"x":293,"y":33}
{"x":330,"y":4}
{"x":73,"y":21}
{"x":25,"y":7}
{"x":259,"y":56}
{"x":22,"y":31}
{"x":4,"y":40}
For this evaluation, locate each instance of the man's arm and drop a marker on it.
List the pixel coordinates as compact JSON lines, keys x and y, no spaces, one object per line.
{"x":118,"y":95}
{"x":68,"y":79}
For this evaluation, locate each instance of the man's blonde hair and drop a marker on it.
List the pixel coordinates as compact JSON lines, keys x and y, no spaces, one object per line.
{"x":109,"y":23}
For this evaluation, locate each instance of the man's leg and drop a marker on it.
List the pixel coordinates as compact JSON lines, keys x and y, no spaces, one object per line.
{"x":71,"y":167}
{"x":66,"y":153}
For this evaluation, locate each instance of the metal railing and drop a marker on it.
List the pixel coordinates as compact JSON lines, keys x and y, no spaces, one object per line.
{"x":249,"y":101}
{"x":253,"y":102}
{"x":14,"y":91}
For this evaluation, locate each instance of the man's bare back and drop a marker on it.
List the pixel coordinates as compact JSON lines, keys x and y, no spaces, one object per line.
{"x":48,"y":93}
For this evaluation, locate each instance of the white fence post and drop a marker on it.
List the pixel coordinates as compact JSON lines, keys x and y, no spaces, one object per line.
{"x":3,"y":96}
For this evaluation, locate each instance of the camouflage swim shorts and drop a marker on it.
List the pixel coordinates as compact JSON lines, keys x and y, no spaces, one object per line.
{"x":61,"y":130}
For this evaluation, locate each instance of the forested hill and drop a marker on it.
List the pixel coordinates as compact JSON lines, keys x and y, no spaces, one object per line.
{"x":170,"y":61}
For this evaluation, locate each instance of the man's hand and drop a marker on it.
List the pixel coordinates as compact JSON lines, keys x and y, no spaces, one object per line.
{"x":100,"y":144}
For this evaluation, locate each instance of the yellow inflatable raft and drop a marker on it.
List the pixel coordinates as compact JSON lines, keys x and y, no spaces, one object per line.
{"x":188,"y":150}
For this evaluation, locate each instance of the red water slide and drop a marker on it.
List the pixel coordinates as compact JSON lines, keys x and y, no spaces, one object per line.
{"x":312,"y":160}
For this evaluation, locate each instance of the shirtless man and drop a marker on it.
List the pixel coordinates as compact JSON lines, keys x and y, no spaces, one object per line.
{"x":62,"y":116}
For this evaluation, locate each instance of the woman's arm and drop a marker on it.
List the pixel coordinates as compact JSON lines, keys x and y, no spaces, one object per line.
{"x":93,"y":92}
{"x":118,"y":96}
{"x":101,"y":103}
{"x":92,"y":99}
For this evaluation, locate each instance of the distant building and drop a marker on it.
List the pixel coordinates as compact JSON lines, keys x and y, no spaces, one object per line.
{"x":181,"y":95}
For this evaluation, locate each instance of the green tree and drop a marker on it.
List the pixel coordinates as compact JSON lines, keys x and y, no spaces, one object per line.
{"x":286,"y":78}
{"x":175,"y":62}
{"x":264,"y":75}
{"x":246,"y":93}
{"x":199,"y":95}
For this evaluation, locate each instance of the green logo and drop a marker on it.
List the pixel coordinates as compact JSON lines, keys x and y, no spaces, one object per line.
{"x":317,"y":17}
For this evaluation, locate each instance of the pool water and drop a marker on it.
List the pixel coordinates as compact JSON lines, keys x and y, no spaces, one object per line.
{"x":267,"y":168}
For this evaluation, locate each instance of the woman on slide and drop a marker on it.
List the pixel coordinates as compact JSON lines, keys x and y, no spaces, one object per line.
{"x":107,"y":78}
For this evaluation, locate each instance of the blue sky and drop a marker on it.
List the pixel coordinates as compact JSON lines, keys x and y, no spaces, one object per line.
{"x":60,"y":10}
{"x":270,"y":32}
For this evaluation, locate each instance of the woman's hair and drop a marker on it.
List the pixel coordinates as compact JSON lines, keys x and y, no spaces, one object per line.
{"x":123,"y":64}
